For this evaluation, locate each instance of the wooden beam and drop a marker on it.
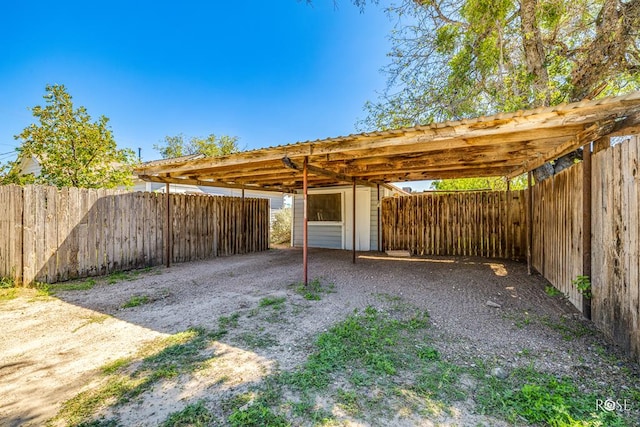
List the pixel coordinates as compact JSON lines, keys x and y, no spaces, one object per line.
{"x":166,"y":180}
{"x":323,"y":172}
{"x":591,"y":133}
{"x":601,"y":144}
{"x":628,"y":126}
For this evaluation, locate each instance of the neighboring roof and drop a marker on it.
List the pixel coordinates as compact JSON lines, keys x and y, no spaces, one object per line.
{"x":505,"y":144}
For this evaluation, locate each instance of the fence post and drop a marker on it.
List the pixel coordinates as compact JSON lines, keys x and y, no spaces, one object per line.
{"x":586,"y":224}
{"x":529,"y":223}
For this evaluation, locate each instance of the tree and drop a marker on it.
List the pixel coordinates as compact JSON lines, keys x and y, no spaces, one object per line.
{"x":72,"y":150}
{"x":211,"y":146}
{"x":453,"y":59}
{"x":493,"y":184}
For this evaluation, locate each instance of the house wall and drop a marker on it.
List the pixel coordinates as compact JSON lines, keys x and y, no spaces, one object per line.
{"x":332,"y":236}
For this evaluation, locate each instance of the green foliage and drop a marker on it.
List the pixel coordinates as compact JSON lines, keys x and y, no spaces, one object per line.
{"x":127,"y":379}
{"x":542,"y":399}
{"x":210,"y":146}
{"x":193,"y":415}
{"x":6,"y":283}
{"x":281,"y":227}
{"x":552,"y":291}
{"x":368,"y":341}
{"x":493,"y":184}
{"x":136,"y":301}
{"x":72,"y":150}
{"x":313,"y":290}
{"x":257,"y":415}
{"x":276,"y":302}
{"x":454,"y":59}
{"x":583,"y":285}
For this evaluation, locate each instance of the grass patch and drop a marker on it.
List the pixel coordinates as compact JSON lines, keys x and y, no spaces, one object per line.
{"x":369,"y":342}
{"x":568,"y":328}
{"x":71,"y":286}
{"x":8,"y":294}
{"x":257,"y":415}
{"x":552,"y":292}
{"x":136,"y":301}
{"x":193,"y":415}
{"x":255,"y":340}
{"x":126,"y":379}
{"x":123,"y":276}
{"x":313,"y":290}
{"x":226,"y":322}
{"x":543,"y":399}
{"x":6,"y":283}
{"x":276,"y":303}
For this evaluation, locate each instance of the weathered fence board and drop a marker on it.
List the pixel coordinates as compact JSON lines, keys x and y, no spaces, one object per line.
{"x":50,"y":235}
{"x":616,"y":249}
{"x":557,"y":230}
{"x":468,"y":224}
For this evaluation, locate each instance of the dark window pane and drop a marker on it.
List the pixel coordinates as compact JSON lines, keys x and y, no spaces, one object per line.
{"x":324,"y":207}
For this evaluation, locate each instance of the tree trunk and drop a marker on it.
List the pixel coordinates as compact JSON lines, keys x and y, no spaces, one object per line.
{"x":616,"y":28}
{"x":534,"y":52}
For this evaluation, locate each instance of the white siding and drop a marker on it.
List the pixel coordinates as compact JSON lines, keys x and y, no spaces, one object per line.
{"x":320,"y":235}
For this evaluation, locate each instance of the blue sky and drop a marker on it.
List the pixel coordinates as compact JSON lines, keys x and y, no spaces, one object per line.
{"x":268,"y":72}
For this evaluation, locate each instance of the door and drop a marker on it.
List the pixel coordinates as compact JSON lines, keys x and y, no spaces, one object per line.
{"x":363,"y":219}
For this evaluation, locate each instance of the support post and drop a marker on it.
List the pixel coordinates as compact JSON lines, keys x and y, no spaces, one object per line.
{"x":529,"y":223}
{"x":353,"y":232}
{"x":168,"y":239}
{"x":243,"y":234}
{"x":379,"y":231}
{"x":305,"y":220}
{"x":586,"y":224}
{"x":507,"y":223}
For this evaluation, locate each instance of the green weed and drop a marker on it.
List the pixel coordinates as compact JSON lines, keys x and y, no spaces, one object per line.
{"x":257,"y":415}
{"x":255,"y":340}
{"x":8,"y":294}
{"x":552,"y":292}
{"x":276,"y":303}
{"x":543,"y":399}
{"x":121,"y":276}
{"x":136,"y":301}
{"x":6,"y":283}
{"x":569,"y":329}
{"x":313,"y":290}
{"x":71,"y":286}
{"x":127,"y":379}
{"x":225,"y":322}
{"x":193,"y":415}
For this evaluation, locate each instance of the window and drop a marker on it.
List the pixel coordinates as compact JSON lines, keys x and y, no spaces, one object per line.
{"x":324,"y":207}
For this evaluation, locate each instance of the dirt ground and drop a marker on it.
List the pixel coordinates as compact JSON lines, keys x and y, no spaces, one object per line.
{"x":53,"y":346}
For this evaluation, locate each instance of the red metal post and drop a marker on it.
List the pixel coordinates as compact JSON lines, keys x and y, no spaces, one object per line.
{"x":305,"y":236}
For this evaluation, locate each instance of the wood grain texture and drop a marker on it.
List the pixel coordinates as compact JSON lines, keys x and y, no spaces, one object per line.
{"x":50,"y":235}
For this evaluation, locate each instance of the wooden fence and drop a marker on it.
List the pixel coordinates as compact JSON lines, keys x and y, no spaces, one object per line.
{"x":50,"y":235}
{"x":488,"y":223}
{"x":616,"y":248}
{"x":615,"y":232}
{"x":557,"y":230}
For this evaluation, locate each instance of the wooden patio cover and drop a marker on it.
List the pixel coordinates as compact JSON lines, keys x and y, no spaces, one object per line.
{"x":506,"y":144}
